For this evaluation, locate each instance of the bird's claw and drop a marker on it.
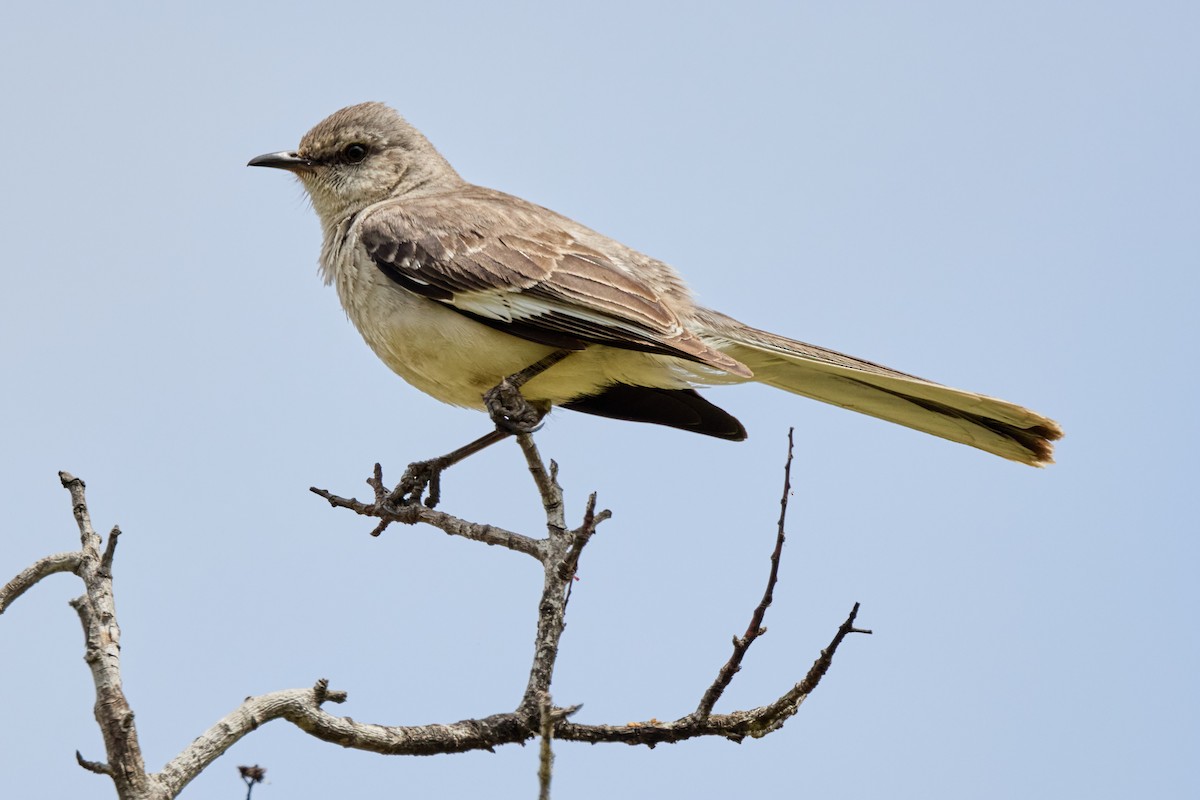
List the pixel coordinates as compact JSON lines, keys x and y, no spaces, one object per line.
{"x":419,"y":476}
{"x":510,"y":410}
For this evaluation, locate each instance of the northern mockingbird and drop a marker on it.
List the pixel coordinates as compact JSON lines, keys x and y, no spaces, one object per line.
{"x":455,"y":287}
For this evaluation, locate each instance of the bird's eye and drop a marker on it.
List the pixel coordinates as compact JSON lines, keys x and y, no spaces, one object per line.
{"x":355,"y":153}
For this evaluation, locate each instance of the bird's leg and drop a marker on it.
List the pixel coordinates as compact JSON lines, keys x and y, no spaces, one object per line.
{"x":508,"y":408}
{"x":422,"y":475}
{"x":511,"y":412}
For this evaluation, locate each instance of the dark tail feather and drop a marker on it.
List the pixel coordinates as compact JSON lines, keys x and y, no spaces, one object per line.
{"x":1037,"y":440}
{"x":677,"y":408}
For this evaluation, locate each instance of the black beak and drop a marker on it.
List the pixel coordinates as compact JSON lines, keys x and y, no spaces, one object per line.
{"x":284,"y":160}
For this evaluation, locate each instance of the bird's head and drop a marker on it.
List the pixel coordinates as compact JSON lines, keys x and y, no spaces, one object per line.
{"x":361,"y":155}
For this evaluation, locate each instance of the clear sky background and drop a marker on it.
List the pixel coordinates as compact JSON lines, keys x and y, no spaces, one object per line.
{"x":999,"y":196}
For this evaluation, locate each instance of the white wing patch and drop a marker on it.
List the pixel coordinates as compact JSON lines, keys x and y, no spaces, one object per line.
{"x":508,"y":306}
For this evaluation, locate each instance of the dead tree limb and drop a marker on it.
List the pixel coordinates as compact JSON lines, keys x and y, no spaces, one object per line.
{"x":534,"y":717}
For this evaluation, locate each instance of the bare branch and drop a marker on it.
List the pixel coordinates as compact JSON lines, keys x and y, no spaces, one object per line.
{"x":252,"y":775}
{"x":580,"y":537}
{"x":546,"y":754}
{"x":547,"y":483}
{"x":778,"y":712}
{"x":737,"y":725}
{"x":110,"y":550}
{"x":754,"y":629}
{"x":302,"y":707}
{"x":98,"y":767}
{"x":98,"y":613}
{"x":535,"y":716}
{"x":561,"y":549}
{"x":559,"y":554}
{"x":87,"y":534}
{"x":293,"y":704}
{"x":451,"y":525}
{"x":42,"y":568}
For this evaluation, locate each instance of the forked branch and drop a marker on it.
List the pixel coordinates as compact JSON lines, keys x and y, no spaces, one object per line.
{"x":559,"y":552}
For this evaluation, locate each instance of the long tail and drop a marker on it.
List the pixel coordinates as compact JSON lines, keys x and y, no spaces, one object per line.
{"x":996,"y":426}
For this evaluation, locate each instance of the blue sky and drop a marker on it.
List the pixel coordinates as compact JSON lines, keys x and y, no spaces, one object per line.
{"x":998,"y":196}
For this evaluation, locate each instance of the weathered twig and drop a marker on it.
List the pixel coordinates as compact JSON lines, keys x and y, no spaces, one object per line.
{"x":110,"y":551}
{"x":98,"y":614}
{"x":42,"y":568}
{"x":755,"y":628}
{"x":737,"y":725}
{"x":98,"y":767}
{"x":545,"y":752}
{"x":252,"y":775}
{"x":546,"y":482}
{"x":453,"y":526}
{"x":302,"y":707}
{"x":580,"y":537}
{"x":560,"y":556}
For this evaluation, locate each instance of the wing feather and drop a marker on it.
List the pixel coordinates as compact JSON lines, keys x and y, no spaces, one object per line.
{"x":521,"y":268}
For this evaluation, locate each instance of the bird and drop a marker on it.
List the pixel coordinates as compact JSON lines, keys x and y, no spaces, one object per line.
{"x":485,"y":300}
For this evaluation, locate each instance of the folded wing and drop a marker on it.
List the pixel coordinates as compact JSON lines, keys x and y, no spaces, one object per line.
{"x":518,"y":268}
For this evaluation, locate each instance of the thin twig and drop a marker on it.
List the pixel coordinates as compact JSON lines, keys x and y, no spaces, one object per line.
{"x":98,"y":767}
{"x":755,"y":628}
{"x":581,"y":536}
{"x":252,"y":775}
{"x":552,"y":607}
{"x":451,"y":525}
{"x":788,"y":704}
{"x":110,"y":550}
{"x":546,"y":481}
{"x":546,"y":754}
{"x":736,"y":726}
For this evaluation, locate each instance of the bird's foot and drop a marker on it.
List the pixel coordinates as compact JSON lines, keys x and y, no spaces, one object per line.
{"x":419,"y":477}
{"x":509,"y":409}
